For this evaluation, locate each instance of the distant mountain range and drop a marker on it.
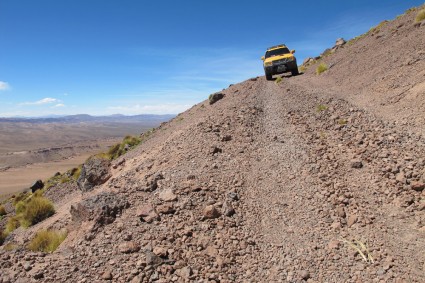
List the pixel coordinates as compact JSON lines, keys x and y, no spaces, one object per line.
{"x":79,"y":118}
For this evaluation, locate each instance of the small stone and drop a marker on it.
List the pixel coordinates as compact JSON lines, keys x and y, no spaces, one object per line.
{"x":147,"y":213}
{"x":340,"y":211}
{"x":418,"y":186}
{"x":166,"y":208}
{"x":351,"y":220}
{"x":333,"y":245}
{"x":167,"y":195}
{"x":355,"y":163}
{"x":107,"y":275}
{"x":160,"y":251}
{"x":128,"y":247}
{"x":400,"y":177}
{"x":39,"y":275}
{"x":211,"y":212}
{"x":27,"y":266}
{"x":305,"y":275}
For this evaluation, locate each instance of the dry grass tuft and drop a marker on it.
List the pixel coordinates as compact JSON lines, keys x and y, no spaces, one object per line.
{"x":46,"y":241}
{"x":321,"y":68}
{"x":361,"y":248}
{"x":36,"y":210}
{"x":278,"y":80}
{"x":420,"y":16}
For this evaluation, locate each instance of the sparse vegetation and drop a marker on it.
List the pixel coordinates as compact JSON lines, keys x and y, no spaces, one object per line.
{"x":377,"y":28}
{"x":420,"y":16}
{"x":321,"y":68}
{"x":342,"y":122}
{"x":321,"y":108}
{"x":278,"y":80}
{"x":2,"y":237}
{"x":119,"y":149}
{"x":11,"y":225}
{"x":46,"y":241}
{"x":36,"y":210}
{"x":361,"y":248}
{"x":302,"y":69}
{"x":2,"y":211}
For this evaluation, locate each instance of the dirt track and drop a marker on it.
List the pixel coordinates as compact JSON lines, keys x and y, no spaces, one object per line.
{"x":269,"y":184}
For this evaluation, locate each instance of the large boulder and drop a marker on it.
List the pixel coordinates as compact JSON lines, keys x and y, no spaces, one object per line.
{"x":102,"y":209}
{"x":38,"y":185}
{"x":95,"y":172}
{"x":340,"y":42}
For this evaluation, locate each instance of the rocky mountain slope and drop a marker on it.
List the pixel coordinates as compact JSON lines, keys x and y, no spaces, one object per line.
{"x":309,"y":180}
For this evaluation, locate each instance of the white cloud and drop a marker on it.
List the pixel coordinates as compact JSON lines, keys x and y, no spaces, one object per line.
{"x":47,"y":100}
{"x":58,"y":105}
{"x":4,"y":86}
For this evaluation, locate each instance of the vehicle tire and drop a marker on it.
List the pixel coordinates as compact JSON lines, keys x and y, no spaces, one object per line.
{"x":295,"y":72}
{"x":269,"y":76}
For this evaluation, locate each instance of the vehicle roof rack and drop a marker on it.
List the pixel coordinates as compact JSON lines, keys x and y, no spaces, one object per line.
{"x":276,"y":46}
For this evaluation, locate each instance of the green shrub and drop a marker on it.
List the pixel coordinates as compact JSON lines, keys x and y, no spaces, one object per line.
{"x":20,"y":207}
{"x":2,"y":210}
{"x":37,"y":209}
{"x":302,"y":69}
{"x":46,"y":241}
{"x":76,"y":172}
{"x":420,"y":16}
{"x":20,"y":197}
{"x":342,"y":122}
{"x":119,"y":149}
{"x":377,"y":28}
{"x":321,"y":68}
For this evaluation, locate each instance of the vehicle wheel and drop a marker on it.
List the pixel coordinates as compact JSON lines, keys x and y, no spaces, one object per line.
{"x":295,"y":72}
{"x":269,"y":76}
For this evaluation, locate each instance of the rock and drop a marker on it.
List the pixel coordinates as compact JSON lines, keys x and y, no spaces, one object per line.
{"x":95,"y":172}
{"x":211,"y":212}
{"x":39,"y":275}
{"x":184,"y":272}
{"x":215,"y":150}
{"x":128,"y":247}
{"x":152,"y":259}
{"x":160,"y":251}
{"x":38,"y":185}
{"x":166,"y":208}
{"x":334,"y":244}
{"x":417,"y":186}
{"x":27,"y":266}
{"x":400,"y":177}
{"x":340,"y":42}
{"x":352,"y":219}
{"x":107,"y":275}
{"x":228,"y":209}
{"x":304,"y":274}
{"x":147,"y":213}
{"x":340,"y":211}
{"x":233,"y":196}
{"x":102,"y":209}
{"x":152,"y":182}
{"x":308,"y":60}
{"x":215,"y":97}
{"x":167,"y":195}
{"x":355,"y":163}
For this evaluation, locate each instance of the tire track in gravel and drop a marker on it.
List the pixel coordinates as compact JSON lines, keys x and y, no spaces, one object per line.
{"x":281,"y":191}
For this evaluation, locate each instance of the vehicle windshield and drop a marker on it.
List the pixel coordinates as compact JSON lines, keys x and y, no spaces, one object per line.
{"x":276,"y":52}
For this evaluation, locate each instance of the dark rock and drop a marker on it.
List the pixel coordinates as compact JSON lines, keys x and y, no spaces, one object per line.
{"x":152,"y":182}
{"x":215,"y":150}
{"x":215,"y":97}
{"x":39,"y":275}
{"x":152,"y":259}
{"x":38,"y":185}
{"x":94,"y":172}
{"x":102,"y":209}
{"x":355,"y":163}
{"x":418,"y":186}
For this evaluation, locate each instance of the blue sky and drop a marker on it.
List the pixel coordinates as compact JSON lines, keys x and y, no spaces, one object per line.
{"x":103,"y":57}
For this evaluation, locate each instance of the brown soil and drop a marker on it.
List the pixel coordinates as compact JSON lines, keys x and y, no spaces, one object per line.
{"x":269,"y":184}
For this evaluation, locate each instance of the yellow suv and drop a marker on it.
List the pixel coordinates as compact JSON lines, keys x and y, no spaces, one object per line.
{"x":277,"y":60}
